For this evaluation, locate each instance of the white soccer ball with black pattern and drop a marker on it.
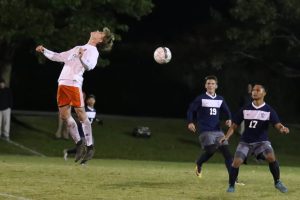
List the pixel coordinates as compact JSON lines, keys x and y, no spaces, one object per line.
{"x":162,"y":55}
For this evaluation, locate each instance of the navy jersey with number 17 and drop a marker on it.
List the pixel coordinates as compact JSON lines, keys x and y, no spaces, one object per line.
{"x":207,"y":108}
{"x":257,"y":119}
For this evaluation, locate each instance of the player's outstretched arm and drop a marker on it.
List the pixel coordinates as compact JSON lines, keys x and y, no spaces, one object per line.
{"x":230,"y":131}
{"x":58,"y":57}
{"x":282,"y":129}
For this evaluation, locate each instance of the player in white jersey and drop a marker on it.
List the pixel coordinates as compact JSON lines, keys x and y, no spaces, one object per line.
{"x":69,"y":94}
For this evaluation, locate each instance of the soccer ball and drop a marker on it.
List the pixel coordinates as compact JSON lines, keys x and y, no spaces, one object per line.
{"x":162,"y":55}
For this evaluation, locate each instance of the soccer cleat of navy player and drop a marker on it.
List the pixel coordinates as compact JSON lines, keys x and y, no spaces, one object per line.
{"x":230,"y":189}
{"x":198,"y":171}
{"x":279,"y":185}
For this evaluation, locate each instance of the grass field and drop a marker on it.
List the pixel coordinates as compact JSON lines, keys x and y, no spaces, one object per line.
{"x":30,"y":177}
{"x":125,"y":167}
{"x":170,"y":140}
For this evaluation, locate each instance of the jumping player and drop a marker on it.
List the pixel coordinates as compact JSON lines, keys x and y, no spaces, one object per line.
{"x":69,"y":94}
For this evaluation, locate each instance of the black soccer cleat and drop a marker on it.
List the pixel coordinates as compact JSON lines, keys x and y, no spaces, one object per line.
{"x":89,"y":154}
{"x":80,"y":151}
{"x":83,"y":162}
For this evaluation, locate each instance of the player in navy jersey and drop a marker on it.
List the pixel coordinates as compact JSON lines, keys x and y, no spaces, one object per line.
{"x":203,"y":117}
{"x":257,"y":116}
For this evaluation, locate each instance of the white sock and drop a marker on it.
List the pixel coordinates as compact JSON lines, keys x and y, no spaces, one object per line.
{"x":87,"y":130}
{"x":73,"y":129}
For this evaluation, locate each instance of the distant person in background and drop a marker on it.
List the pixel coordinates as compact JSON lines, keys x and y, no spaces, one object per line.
{"x":245,"y":100}
{"x":69,"y":93}
{"x":257,"y":117}
{"x":91,"y":113}
{"x":5,"y":110}
{"x":62,"y":130}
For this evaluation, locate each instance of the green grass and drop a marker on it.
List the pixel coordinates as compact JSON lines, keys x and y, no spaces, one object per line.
{"x":31,"y":177}
{"x":125,"y":167}
{"x":170,"y":140}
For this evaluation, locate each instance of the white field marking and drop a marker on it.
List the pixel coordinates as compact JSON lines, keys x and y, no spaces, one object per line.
{"x":13,"y":196}
{"x":25,"y":148}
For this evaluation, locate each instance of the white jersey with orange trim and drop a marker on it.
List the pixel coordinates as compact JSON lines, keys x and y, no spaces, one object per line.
{"x":72,"y":72}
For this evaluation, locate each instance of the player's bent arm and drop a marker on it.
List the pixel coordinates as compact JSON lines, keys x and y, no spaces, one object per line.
{"x":88,"y":59}
{"x":87,"y":64}
{"x":281,"y":128}
{"x":228,"y":122}
{"x":229,"y":132}
{"x":225,"y":109}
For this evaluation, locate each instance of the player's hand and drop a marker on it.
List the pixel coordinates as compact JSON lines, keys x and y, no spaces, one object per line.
{"x":228,"y":123}
{"x":81,"y":52}
{"x":192,"y":127}
{"x":223,"y":139}
{"x":284,"y":130}
{"x":40,"y":49}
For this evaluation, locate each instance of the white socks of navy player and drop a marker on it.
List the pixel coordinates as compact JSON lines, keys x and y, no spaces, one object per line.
{"x":73,"y":129}
{"x":87,"y":130}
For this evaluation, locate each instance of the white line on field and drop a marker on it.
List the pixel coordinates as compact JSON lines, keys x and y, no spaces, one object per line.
{"x":13,"y":196}
{"x":25,"y":148}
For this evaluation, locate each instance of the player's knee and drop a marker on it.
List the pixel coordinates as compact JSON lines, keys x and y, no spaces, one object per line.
{"x":239,"y":158}
{"x":81,"y":114}
{"x":237,"y":162}
{"x":270,"y":157}
{"x":64,"y":116}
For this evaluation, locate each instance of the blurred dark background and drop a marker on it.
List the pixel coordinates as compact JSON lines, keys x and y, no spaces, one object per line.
{"x":240,"y":42}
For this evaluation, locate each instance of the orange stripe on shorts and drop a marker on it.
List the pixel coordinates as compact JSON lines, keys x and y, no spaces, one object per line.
{"x":69,"y":95}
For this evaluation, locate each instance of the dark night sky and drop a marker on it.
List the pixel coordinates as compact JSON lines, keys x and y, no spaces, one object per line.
{"x":169,"y":19}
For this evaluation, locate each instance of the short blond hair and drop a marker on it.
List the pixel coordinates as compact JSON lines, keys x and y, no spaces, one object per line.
{"x":108,"y":40}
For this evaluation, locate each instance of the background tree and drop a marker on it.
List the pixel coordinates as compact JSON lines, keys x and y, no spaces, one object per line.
{"x":263,"y":32}
{"x":243,"y":41}
{"x":60,"y":24}
{"x":245,"y":32}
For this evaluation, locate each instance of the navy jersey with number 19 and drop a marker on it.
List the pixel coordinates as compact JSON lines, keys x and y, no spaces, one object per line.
{"x":207,"y":108}
{"x":257,"y":121}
